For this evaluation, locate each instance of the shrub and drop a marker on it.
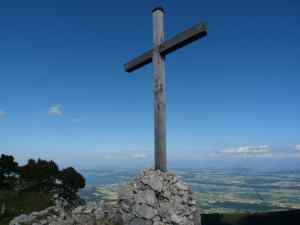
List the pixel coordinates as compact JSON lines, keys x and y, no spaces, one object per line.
{"x":40,"y":172}
{"x":71,"y":178}
{"x":8,"y":170}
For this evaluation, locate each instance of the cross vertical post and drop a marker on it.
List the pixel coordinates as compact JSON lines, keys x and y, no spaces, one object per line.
{"x":157,"y":56}
{"x":159,"y":91}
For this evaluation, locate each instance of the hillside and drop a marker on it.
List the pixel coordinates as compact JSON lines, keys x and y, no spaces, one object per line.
{"x":24,"y":202}
{"x":35,"y":186}
{"x":291,"y":217}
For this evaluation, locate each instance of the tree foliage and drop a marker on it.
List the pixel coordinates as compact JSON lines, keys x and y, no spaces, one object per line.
{"x":40,"y":175}
{"x":8,"y":170}
{"x":8,"y":166}
{"x":70,"y":177}
{"x":39,"y":171}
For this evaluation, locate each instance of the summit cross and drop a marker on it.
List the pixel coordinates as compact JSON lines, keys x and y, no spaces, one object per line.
{"x":157,"y":56}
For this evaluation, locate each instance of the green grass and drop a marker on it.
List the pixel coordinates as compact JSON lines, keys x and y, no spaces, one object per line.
{"x":291,"y":217}
{"x":233,"y":218}
{"x":23,"y":203}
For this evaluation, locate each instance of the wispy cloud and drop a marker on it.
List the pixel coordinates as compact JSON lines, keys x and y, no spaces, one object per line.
{"x":248,"y":150}
{"x":55,"y":110}
{"x":2,"y":114}
{"x":227,"y":153}
{"x":297,"y":147}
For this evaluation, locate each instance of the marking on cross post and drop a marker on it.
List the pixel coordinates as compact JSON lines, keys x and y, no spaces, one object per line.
{"x":157,"y":56}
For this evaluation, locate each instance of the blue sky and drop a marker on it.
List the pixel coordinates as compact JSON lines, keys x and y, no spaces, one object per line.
{"x":64,"y":94}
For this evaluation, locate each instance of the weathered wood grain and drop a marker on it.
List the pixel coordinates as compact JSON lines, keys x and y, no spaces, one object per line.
{"x":186,"y":37}
{"x":159,"y":92}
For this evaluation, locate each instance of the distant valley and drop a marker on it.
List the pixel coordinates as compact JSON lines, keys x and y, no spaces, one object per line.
{"x":217,"y":191}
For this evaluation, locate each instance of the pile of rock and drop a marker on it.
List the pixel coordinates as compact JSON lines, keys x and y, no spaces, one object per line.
{"x":41,"y":217}
{"x":90,"y":214}
{"x":157,"y":198}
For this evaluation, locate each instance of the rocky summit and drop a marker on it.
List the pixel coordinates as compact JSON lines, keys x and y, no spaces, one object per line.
{"x":90,"y":214}
{"x":157,"y":198}
{"x":153,"y":198}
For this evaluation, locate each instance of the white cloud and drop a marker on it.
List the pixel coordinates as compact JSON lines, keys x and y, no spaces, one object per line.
{"x":248,"y":150}
{"x":2,"y":114}
{"x":55,"y":110}
{"x":297,"y":147}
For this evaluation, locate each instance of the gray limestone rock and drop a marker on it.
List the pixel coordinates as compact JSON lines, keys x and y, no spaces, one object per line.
{"x":139,"y":221}
{"x":90,"y":214}
{"x":147,"y":197}
{"x":158,"y":198}
{"x":145,"y":211}
{"x":154,"y":180}
{"x":21,"y":219}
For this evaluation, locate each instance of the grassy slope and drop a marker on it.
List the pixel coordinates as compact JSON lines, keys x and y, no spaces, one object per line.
{"x":273,"y":218}
{"x":24,"y":202}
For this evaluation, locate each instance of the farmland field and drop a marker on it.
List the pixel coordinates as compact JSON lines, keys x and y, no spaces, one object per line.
{"x":216,"y":190}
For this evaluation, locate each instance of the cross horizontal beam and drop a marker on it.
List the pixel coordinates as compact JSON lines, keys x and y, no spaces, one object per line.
{"x":186,"y":37}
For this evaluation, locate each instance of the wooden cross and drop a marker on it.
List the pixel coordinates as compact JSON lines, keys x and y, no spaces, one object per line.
{"x":157,"y":55}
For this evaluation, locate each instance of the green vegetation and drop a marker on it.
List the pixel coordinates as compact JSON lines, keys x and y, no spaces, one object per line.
{"x":71,"y":178}
{"x":26,"y":201}
{"x":28,"y":188}
{"x":40,"y":172}
{"x":71,"y":182}
{"x":233,"y":218}
{"x":8,"y":169}
{"x":273,"y":218}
